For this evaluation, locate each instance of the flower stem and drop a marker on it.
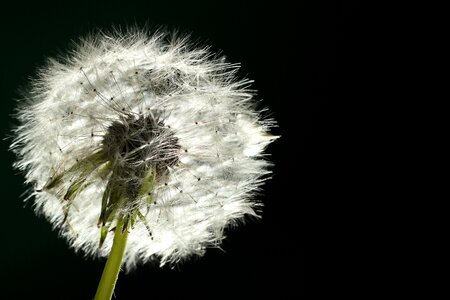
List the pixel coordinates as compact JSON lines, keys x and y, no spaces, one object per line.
{"x":112,"y":268}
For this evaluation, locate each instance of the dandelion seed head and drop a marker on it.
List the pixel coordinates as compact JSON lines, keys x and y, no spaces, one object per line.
{"x":142,"y":124}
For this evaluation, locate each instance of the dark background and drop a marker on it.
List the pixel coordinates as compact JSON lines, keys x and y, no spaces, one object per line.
{"x":301,"y":58}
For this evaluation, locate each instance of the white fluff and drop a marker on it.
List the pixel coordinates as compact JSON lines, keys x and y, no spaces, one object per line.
{"x":220,"y":135}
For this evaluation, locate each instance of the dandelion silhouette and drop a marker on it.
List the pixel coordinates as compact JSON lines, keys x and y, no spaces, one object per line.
{"x":143,"y":146}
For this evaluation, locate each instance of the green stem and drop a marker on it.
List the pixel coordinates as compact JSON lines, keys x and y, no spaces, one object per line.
{"x":112,"y":268}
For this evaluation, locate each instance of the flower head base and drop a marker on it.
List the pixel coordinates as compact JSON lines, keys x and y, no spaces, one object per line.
{"x":137,"y":127}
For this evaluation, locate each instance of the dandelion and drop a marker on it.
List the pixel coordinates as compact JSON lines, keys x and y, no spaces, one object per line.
{"x":141,"y":146}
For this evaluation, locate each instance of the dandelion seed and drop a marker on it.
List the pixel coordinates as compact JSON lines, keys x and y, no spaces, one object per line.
{"x":146,"y":133}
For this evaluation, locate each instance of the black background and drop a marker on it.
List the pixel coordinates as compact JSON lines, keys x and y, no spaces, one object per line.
{"x":301,"y":58}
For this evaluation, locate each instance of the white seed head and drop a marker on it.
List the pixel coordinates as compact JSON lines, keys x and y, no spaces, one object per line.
{"x":143,"y":126}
